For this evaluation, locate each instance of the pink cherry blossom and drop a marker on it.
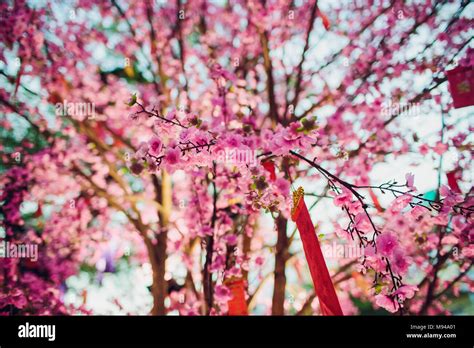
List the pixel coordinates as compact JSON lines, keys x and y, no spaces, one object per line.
{"x":386,"y":243}
{"x":406,"y":291}
{"x":283,"y":186}
{"x":172,"y":156}
{"x":343,"y":198}
{"x":155,"y":146}
{"x":222,"y":293}
{"x":400,"y":261}
{"x":387,"y":303}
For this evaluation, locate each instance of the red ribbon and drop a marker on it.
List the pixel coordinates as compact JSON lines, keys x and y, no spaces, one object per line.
{"x":461,"y":85}
{"x":321,"y":279}
{"x":237,"y":304}
{"x":375,"y":200}
{"x":270,"y":167}
{"x":453,"y":181}
{"x":325,"y":19}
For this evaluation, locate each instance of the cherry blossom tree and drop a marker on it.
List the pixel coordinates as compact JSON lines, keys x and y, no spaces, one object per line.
{"x":182,"y":128}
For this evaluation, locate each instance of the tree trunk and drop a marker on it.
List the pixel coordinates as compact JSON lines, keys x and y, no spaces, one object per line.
{"x":281,"y":256}
{"x":246,"y":251}
{"x":159,"y":286}
{"x":208,"y":287}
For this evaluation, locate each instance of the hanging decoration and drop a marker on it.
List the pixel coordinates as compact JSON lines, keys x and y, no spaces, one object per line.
{"x":270,"y":167}
{"x":453,"y":181}
{"x":375,"y":200}
{"x":325,"y":19}
{"x":237,"y":305}
{"x":461,"y":85}
{"x":323,"y":286}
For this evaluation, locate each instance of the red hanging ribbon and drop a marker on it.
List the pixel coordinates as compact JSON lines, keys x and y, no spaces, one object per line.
{"x":39,"y":211}
{"x":321,"y":279}
{"x":270,"y":167}
{"x":461,"y":85}
{"x":237,"y":305}
{"x":325,"y":19}
{"x":453,"y":181}
{"x":375,"y":200}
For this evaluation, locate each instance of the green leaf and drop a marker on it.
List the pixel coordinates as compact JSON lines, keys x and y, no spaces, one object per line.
{"x":133,"y":100}
{"x":378,"y":288}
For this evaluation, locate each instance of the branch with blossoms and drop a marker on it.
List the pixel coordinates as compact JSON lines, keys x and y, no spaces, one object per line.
{"x":154,"y":152}
{"x":354,"y":221}
{"x":398,"y":292}
{"x":420,"y":201}
{"x":184,"y":147}
{"x":153,"y":113}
